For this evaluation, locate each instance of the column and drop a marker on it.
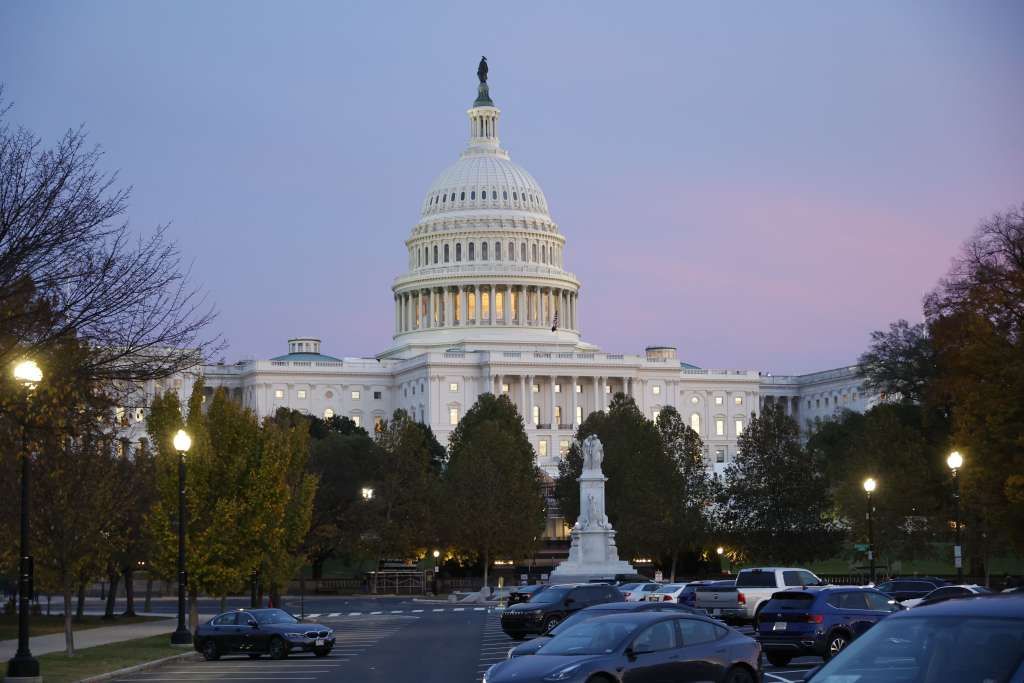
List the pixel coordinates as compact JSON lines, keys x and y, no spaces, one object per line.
{"x":551,"y":307}
{"x":505,"y":300}
{"x":490,"y":308}
{"x":522,"y":403}
{"x":529,"y":404}
{"x":449,"y":309}
{"x":464,"y":302}
{"x":572,"y":390}
{"x":429,"y":305}
{"x":597,"y":394}
{"x":551,"y":395}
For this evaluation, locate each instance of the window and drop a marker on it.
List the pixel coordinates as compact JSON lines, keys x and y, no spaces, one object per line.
{"x":453,"y":416}
{"x":357,"y":420}
{"x":719,"y":426}
{"x":579,"y":414}
{"x":504,"y":388}
{"x":879,"y":602}
{"x":376,"y":396}
{"x":694,"y":400}
{"x":656,"y":390}
{"x":515,"y":196}
{"x":435,"y":253}
{"x":719,"y":400}
{"x":739,"y":426}
{"x":497,"y":251}
{"x":454,"y":386}
{"x":504,"y":194}
{"x":544,"y":253}
{"x":558,"y":388}
{"x":536,"y":415}
{"x":534,"y":253}
{"x":536,"y":388}
{"x":579,"y":388}
{"x":695,"y":422}
{"x":472,"y":195}
{"x":328,"y":394}
{"x":511,"y":252}
{"x":302,"y":393}
{"x":483,"y":251}
{"x":817,"y":403}
{"x":328,"y":413}
{"x":523,"y":251}
{"x":696,"y":631}
{"x":607,"y":389}
{"x":494,"y":194}
{"x":472,"y":251}
{"x":719,"y":455}
{"x":355,"y":395}
{"x":542,"y":448}
{"x":378,"y":424}
{"x":558,"y":415}
{"x":738,"y":400}
{"x":446,"y":253}
{"x":659,"y":637}
{"x":462,"y":196}
{"x":278,"y":393}
{"x":563,"y":447}
{"x":458,"y":252}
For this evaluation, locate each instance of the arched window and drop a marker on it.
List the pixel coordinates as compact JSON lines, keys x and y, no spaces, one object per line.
{"x":497,"y":251}
{"x":511,"y":252}
{"x":472,"y":195}
{"x":419,"y":260}
{"x":435,"y":253}
{"x":515,"y":197}
{"x":483,"y":251}
{"x":544,"y":253}
{"x":453,"y":196}
{"x":534,"y":253}
{"x":458,"y":252}
{"x":523,"y":252}
{"x":494,"y":194}
{"x":462,"y":197}
{"x":444,"y":198}
{"x":504,"y":194}
{"x":695,"y":422}
{"x":472,"y":254}
{"x":446,"y":253}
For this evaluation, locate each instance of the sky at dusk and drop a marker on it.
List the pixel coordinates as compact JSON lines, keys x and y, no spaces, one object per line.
{"x":759,"y":184}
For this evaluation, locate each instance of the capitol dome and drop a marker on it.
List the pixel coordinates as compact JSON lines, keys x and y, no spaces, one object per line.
{"x":485,"y":260}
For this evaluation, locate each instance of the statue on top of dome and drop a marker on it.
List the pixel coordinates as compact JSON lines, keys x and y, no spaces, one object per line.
{"x":481,"y":71}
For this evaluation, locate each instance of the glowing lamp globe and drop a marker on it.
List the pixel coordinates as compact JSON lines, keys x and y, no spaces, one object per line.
{"x":870,"y":485}
{"x":27,"y":372}
{"x":182,"y":441}
{"x":955,"y":460}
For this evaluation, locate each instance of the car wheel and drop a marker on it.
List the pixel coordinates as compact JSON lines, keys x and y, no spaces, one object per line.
{"x":323,"y":652}
{"x":550,"y":623}
{"x":836,"y":643}
{"x":779,"y":660}
{"x":210,"y":651}
{"x":599,"y":679}
{"x":738,"y":674}
{"x":278,"y":649}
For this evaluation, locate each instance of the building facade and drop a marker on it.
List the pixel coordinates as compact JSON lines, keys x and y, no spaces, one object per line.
{"x":486,"y":305}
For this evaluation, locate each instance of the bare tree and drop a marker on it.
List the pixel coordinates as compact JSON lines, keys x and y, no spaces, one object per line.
{"x":69,"y":265}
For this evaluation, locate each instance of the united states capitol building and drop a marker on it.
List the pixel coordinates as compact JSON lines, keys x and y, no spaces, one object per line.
{"x":486,"y":304}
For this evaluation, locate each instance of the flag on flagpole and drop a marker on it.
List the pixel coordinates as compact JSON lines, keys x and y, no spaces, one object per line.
{"x":554,"y":322}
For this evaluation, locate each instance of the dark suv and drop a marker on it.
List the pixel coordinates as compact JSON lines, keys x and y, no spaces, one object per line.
{"x":818,"y":621}
{"x":906,"y":588}
{"x":544,"y":611}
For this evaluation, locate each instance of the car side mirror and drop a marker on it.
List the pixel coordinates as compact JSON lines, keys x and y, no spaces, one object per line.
{"x":630,"y":653}
{"x":253,"y":623}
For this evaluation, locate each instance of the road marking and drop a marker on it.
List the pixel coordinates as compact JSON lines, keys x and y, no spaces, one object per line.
{"x":354,"y":614}
{"x":459,"y":609}
{"x":416,"y":611}
{"x":376,"y":613}
{"x":334,"y":614}
{"x":437,"y":610}
{"x":479,"y":609}
{"x":313,"y":616}
{"x":396,"y":611}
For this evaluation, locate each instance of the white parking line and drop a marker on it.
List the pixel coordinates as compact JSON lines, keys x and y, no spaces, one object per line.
{"x":459,"y":609}
{"x":354,"y":614}
{"x":416,"y":611}
{"x":334,"y":614}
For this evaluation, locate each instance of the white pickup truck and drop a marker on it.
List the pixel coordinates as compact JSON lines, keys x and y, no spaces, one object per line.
{"x":758,"y":584}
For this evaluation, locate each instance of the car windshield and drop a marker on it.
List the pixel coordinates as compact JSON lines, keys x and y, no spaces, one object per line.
{"x":577,"y":618}
{"x":593,"y":637}
{"x":670,"y":588}
{"x":274,"y":616}
{"x":790,"y":601}
{"x":928,"y":649}
{"x":550,"y":595}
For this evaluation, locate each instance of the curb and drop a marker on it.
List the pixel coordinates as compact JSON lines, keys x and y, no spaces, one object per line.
{"x":145,"y":666}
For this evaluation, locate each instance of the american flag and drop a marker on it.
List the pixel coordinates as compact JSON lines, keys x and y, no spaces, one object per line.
{"x":554,"y":322}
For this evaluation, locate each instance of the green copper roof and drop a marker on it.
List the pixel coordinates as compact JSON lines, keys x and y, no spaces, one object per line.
{"x":483,"y":97}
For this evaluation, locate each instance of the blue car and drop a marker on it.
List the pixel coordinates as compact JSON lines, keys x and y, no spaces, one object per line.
{"x":255,"y":632}
{"x":818,"y":621}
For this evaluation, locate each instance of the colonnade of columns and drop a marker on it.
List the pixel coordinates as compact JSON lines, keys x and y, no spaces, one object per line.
{"x":594,"y":394}
{"x":486,"y":304}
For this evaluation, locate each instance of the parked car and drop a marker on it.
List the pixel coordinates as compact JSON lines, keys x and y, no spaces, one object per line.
{"x":525,"y":593}
{"x":818,"y":621}
{"x":722,"y":600}
{"x":907,"y":588}
{"x":946,"y":593}
{"x":955,"y":640}
{"x":668,"y":593}
{"x":759,"y":583}
{"x":688,"y":596}
{"x":545,"y":610}
{"x":637,"y":592}
{"x":261,"y":631}
{"x":641,"y":646}
{"x":531,"y":646}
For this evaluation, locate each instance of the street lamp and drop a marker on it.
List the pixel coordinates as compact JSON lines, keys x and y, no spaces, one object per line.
{"x":437,"y":554}
{"x":869,"y":487}
{"x":182,"y":442}
{"x":367,"y":493}
{"x":955,"y":461}
{"x":23,"y":664}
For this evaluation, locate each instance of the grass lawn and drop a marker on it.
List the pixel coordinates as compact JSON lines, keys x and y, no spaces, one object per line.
{"x":43,"y":625}
{"x":57,"y":668}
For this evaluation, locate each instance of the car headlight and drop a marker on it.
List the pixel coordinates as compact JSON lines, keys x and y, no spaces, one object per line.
{"x":487,"y":674}
{"x":563,"y":673}
{"x":509,"y":655}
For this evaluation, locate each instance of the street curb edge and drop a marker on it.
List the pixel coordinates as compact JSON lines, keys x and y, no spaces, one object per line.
{"x":145,"y":666}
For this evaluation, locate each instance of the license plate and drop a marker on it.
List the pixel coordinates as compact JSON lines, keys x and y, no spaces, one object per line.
{"x":319,"y":642}
{"x":779,"y":626}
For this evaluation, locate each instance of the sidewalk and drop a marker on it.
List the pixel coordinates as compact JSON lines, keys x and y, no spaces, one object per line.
{"x":41,"y":645}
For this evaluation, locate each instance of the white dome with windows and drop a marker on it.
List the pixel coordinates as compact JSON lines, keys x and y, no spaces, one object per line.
{"x":485,"y":260}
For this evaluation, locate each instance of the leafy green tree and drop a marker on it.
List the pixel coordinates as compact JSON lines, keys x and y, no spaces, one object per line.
{"x":901,"y":362}
{"x":775,"y":502}
{"x":642,"y":482}
{"x":696,"y":486}
{"x":492,"y":486}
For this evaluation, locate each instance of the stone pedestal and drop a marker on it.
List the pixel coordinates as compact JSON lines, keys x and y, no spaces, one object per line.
{"x":592,"y":553}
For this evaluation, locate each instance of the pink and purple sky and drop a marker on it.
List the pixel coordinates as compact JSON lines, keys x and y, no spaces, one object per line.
{"x":759,"y":184}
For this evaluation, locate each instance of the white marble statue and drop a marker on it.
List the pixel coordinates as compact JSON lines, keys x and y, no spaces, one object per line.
{"x":593,"y":454}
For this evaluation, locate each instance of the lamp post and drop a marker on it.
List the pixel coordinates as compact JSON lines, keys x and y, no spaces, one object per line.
{"x":182,"y":442}
{"x":437,"y":554}
{"x":869,"y":488}
{"x":23,"y":664}
{"x":955,"y":461}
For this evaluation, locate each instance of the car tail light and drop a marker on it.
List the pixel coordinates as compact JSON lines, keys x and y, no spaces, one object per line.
{"x":815,"y":618}
{"x":667,"y":598}
{"x":741,"y":598}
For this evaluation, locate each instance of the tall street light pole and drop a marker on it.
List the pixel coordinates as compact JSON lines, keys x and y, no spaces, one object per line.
{"x":869,"y":488}
{"x":23,"y":664}
{"x":182,"y":442}
{"x":955,"y":461}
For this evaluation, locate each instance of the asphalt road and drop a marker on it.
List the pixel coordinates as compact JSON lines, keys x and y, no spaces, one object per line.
{"x":393,"y":640}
